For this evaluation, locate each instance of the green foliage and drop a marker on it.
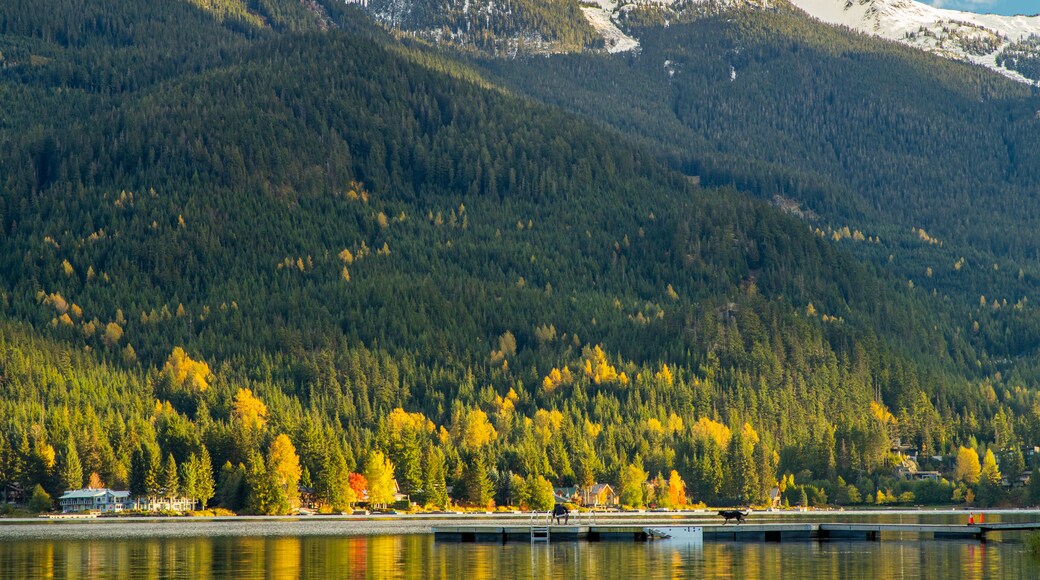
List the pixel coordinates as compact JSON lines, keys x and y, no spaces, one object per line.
{"x":71,"y":468}
{"x":540,"y":493}
{"x":478,"y":484}
{"x":631,"y":487}
{"x":200,"y":201}
{"x":41,"y":500}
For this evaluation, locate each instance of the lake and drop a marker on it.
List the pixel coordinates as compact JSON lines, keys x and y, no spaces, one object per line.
{"x":276,"y":556}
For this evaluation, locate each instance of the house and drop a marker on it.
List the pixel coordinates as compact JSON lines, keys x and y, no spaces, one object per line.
{"x":13,"y":492}
{"x":568,"y":495}
{"x":164,"y":504}
{"x":775,"y":497}
{"x":598,"y":495}
{"x":913,"y":474}
{"x":309,"y":498}
{"x":101,"y":500}
{"x":601,"y":495}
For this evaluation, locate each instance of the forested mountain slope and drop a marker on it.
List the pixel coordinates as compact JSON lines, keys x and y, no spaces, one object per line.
{"x":935,"y":159}
{"x":334,"y":224}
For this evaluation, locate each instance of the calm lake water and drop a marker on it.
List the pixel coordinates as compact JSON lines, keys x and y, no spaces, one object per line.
{"x":418,"y":556}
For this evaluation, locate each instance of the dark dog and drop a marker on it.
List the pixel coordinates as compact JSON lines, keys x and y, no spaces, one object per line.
{"x":560,"y":511}
{"x":733,"y":515}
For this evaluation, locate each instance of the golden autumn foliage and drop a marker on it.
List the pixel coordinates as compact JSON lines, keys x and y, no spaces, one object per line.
{"x":592,"y":430}
{"x":284,"y":465}
{"x":705,"y":428}
{"x":967,"y":468}
{"x":547,"y":424}
{"x":675,"y":424}
{"x":750,"y":435}
{"x":882,"y":414}
{"x":186,"y":371}
{"x":654,"y":426}
{"x":474,"y":430}
{"x":599,"y":369}
{"x":665,"y":375}
{"x":113,"y":334}
{"x":249,"y":411}
{"x":556,"y":378}
{"x":676,"y":491}
{"x":399,"y":421}
{"x":507,"y":404}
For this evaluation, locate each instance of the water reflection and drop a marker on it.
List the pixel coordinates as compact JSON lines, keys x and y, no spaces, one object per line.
{"x":418,"y":557}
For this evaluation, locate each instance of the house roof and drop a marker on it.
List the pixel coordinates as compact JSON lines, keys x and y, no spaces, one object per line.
{"x":600,"y":487}
{"x":91,"y":493}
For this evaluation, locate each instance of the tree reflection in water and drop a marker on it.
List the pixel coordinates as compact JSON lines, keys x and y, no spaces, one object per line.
{"x":418,"y":557}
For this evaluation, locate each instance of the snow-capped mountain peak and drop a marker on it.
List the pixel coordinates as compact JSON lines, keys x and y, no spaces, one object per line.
{"x":1007,"y":44}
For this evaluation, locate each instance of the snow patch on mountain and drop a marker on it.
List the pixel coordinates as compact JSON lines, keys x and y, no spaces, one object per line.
{"x":600,"y":17}
{"x":984,"y":39}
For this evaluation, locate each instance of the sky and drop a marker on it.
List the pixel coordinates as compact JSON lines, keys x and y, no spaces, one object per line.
{"x":1028,"y":7}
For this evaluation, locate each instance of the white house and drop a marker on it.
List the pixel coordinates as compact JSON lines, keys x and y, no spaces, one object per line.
{"x":102,"y":500}
{"x":170,"y":504}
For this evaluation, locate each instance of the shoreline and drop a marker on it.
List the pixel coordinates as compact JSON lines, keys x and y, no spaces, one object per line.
{"x":159,"y":527}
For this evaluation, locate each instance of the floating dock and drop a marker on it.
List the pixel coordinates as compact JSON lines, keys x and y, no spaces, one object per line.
{"x":767,"y":532}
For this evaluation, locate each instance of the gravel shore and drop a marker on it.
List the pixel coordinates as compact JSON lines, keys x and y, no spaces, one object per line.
{"x":259,"y":526}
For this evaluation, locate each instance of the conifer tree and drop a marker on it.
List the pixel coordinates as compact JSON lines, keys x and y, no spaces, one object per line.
{"x":170,"y":482}
{"x":71,"y":469}
{"x":204,"y":485}
{"x":478,"y":484}
{"x":189,"y":478}
{"x":436,"y":486}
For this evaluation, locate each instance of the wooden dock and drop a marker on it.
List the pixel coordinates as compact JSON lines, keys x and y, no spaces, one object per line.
{"x":748,"y":532}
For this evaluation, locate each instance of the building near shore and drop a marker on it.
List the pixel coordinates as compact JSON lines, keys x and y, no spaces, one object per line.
{"x":164,"y":504}
{"x":100,"y":500}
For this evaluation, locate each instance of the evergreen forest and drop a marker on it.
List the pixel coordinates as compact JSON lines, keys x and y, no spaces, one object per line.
{"x":254,"y":247}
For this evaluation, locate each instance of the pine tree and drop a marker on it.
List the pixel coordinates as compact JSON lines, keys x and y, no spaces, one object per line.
{"x":204,"y":485}
{"x":436,"y":486}
{"x":332,"y":484}
{"x":189,"y":478}
{"x":71,"y":469}
{"x":139,"y":473}
{"x":479,"y":487}
{"x":170,"y":482}
{"x":260,"y":497}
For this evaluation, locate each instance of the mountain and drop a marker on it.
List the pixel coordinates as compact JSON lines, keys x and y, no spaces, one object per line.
{"x":1007,"y":44}
{"x":229,"y":225}
{"x":915,"y":151}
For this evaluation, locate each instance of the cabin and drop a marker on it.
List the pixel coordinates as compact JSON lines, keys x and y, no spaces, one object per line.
{"x":598,"y":495}
{"x":601,"y":495}
{"x":97,"y":500}
{"x":568,"y":495}
{"x":776,"y":498}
